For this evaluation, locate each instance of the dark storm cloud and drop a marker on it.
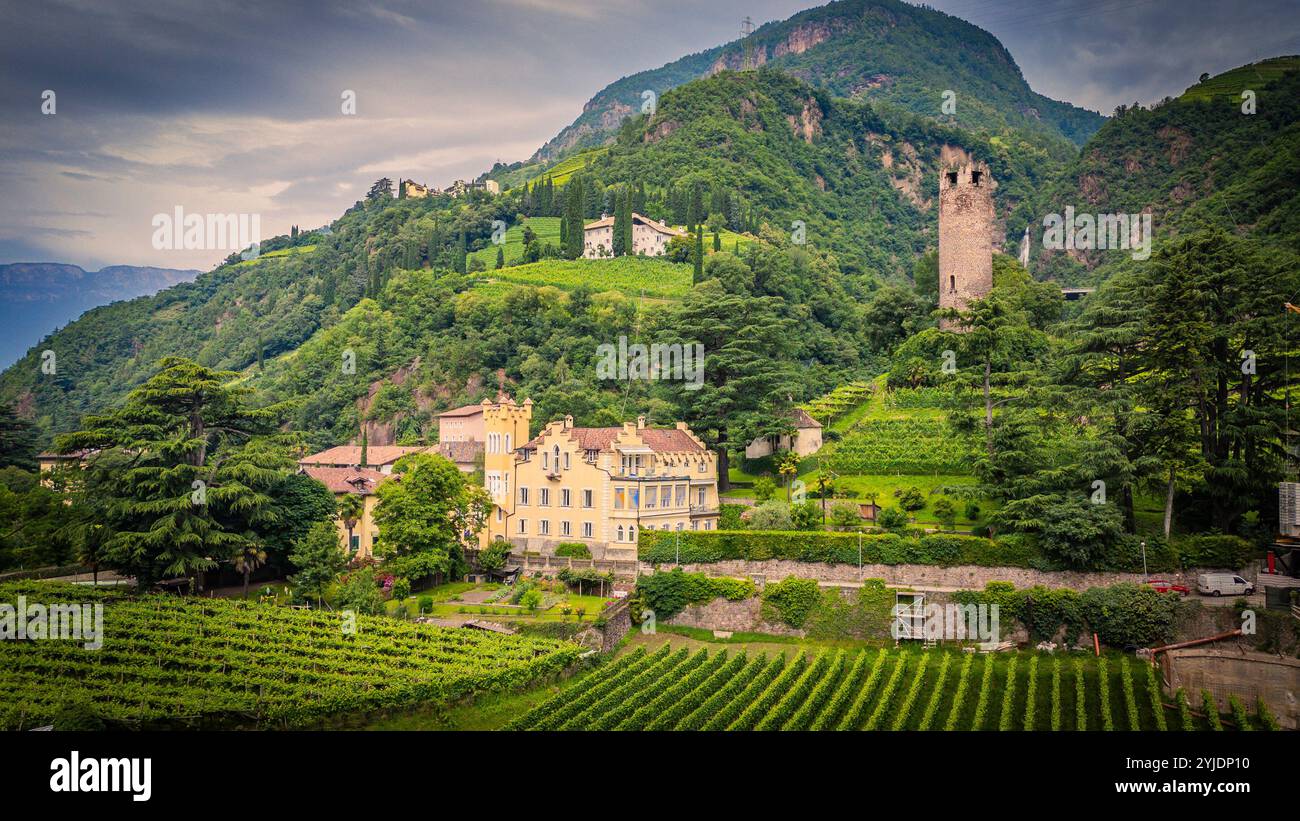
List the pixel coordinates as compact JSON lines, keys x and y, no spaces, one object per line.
{"x":229,"y":105}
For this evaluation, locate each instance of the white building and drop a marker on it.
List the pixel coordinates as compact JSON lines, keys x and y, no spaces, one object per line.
{"x":649,"y":238}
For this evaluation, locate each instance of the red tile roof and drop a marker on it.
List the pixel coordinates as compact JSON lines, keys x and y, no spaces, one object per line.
{"x":660,"y":440}
{"x":362,"y":481}
{"x":350,"y":455}
{"x":463,"y":410}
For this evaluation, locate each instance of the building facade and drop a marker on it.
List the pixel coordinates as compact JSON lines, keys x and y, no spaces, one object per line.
{"x":965,"y":236}
{"x":804,"y":441}
{"x":649,"y":238}
{"x":596,"y":486}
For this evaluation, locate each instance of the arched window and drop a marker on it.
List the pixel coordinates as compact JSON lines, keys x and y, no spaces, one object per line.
{"x":952,"y":283}
{"x":556,"y":451}
{"x":631,"y":533}
{"x":620,"y":533}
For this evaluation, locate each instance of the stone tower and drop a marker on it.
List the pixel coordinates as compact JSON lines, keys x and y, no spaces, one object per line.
{"x":965,"y":236}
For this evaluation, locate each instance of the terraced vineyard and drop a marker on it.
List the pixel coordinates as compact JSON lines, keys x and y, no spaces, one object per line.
{"x":168,"y":661}
{"x":634,"y":276}
{"x":910,"y":445}
{"x":889,"y":689}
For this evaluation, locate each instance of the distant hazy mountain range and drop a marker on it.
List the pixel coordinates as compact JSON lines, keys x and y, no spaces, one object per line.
{"x":38,"y":297}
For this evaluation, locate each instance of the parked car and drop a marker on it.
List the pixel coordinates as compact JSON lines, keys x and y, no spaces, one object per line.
{"x":1163,"y":586}
{"x":1221,"y":584}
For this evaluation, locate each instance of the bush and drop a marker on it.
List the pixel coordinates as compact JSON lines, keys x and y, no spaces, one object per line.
{"x":911,"y":499}
{"x":791,"y":600}
{"x":667,"y":594}
{"x":764,"y":488}
{"x":425,"y":604}
{"x":494,"y":556}
{"x":531,"y":599}
{"x":573,"y":550}
{"x":401,"y":588}
{"x":729,"y":516}
{"x":771,"y":515}
{"x":892,"y":518}
{"x":360,"y":592}
{"x":1226,"y":552}
{"x":973,"y":511}
{"x":845,"y":514}
{"x":1129,"y":615}
{"x":946,"y":512}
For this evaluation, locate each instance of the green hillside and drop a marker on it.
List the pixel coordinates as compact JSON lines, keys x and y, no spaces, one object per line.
{"x":632,"y":276}
{"x":880,"y":50}
{"x":1192,"y":161}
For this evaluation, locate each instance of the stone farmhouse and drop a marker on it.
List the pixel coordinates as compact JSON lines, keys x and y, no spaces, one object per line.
{"x":804,"y":441}
{"x":649,"y":238}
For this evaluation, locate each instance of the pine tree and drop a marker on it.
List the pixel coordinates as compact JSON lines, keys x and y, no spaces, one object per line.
{"x":501,"y":258}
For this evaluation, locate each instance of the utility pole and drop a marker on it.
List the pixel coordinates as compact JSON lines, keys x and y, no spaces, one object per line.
{"x":746,"y":29}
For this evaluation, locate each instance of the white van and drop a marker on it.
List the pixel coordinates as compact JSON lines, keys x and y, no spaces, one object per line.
{"x":1223,"y":584}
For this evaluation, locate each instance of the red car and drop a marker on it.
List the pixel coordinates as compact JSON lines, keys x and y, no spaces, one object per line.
{"x":1162,"y":586}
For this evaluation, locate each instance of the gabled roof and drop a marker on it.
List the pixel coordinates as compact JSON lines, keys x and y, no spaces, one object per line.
{"x":659,"y":440}
{"x":350,"y":455}
{"x":801,"y":419}
{"x":605,"y":222}
{"x":463,"y":410}
{"x":361,"y":481}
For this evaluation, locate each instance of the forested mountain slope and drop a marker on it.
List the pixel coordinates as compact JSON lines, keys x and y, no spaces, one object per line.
{"x":883,"y":51}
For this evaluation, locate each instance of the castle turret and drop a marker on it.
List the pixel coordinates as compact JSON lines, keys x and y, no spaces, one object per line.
{"x":965,"y":236}
{"x":505,"y":429}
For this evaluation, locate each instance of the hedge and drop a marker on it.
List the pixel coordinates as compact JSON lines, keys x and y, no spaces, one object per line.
{"x":946,"y":549}
{"x":705,"y":546}
{"x":667,"y":594}
{"x":573,"y":550}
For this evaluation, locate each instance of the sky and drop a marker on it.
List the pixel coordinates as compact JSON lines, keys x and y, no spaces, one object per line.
{"x":235,"y":106}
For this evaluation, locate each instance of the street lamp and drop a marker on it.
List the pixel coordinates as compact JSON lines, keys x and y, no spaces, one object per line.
{"x":1144,"y":560}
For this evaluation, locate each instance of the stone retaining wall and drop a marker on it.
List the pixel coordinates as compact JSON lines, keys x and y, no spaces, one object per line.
{"x":964,"y":577}
{"x":1247,"y":674}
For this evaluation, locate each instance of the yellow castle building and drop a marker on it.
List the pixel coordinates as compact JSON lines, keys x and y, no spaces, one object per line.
{"x":597,"y":486}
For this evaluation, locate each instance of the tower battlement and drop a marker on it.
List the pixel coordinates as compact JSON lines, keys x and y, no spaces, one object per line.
{"x":965,"y":236}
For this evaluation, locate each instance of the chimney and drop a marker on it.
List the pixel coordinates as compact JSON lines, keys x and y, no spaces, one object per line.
{"x":568,"y":421}
{"x":640,"y":422}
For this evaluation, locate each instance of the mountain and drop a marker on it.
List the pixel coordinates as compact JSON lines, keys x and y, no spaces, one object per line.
{"x":38,"y":297}
{"x":1194,"y":160}
{"x":882,"y":51}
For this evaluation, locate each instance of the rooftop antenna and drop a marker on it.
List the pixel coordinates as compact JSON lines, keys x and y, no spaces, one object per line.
{"x":746,"y":29}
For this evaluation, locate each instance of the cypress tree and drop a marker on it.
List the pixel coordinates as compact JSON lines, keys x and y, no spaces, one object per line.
{"x":501,"y":257}
{"x":699,"y":256}
{"x":573,"y":239}
{"x":717,"y":241}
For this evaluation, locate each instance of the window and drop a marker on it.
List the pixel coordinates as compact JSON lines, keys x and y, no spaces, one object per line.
{"x":651,"y":495}
{"x":545,"y":527}
{"x":501,"y":514}
{"x":666,"y":495}
{"x":355,"y":543}
{"x":507,"y":443}
{"x":681,"y":495}
{"x":679,"y":526}
{"x":566,"y":460}
{"x":587,"y":498}
{"x":544,"y":496}
{"x":619,"y":496}
{"x":556,"y":451}
{"x":564,"y":498}
{"x":620,"y":533}
{"x":703,"y":464}
{"x":523,"y":526}
{"x":566,"y":528}
{"x":631,"y":533}
{"x":523,"y":495}
{"x":545,"y":461}
{"x":952,"y":177}
{"x":586,"y":530}
{"x":695,"y":525}
{"x":708,"y":524}
{"x":701,"y":497}
{"x":975,"y":177}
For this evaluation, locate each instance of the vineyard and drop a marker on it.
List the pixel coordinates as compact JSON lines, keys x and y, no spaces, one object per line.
{"x":634,"y":276}
{"x":909,"y":445}
{"x":833,"y":405}
{"x":890,"y":689}
{"x":547,"y":230}
{"x":170,"y":661}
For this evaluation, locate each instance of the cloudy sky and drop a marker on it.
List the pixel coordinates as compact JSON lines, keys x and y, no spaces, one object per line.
{"x":234,"y":105}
